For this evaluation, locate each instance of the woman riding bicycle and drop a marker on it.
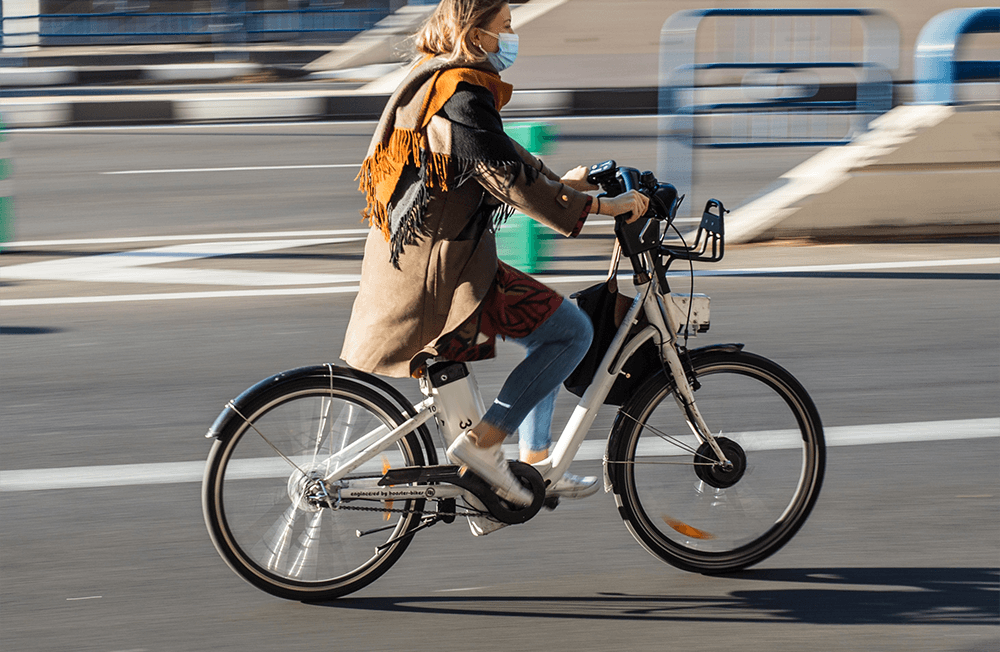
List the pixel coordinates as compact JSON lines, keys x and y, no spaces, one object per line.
{"x":440,"y":176}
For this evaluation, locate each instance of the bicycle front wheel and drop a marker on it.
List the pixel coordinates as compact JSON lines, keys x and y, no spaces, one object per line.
{"x":259,"y":490}
{"x":693,"y":513}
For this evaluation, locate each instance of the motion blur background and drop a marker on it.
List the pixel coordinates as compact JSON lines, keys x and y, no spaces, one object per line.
{"x":179,"y":219}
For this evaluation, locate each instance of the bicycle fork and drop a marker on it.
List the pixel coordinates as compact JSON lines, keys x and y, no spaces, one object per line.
{"x":683,"y":390}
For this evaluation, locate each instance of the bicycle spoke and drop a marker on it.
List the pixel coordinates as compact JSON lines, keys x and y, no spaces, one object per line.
{"x":670,"y":439}
{"x":267,"y":506}
{"x":307,"y":558}
{"x":266,"y":440}
{"x":273,"y":546}
{"x":321,"y":427}
{"x":709,"y":517}
{"x":640,"y":462}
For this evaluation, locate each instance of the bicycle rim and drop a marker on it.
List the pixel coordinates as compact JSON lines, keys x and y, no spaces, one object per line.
{"x":689,"y":513}
{"x":254,"y":492}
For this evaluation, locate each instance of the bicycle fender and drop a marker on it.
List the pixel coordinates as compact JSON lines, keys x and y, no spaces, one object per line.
{"x":718,"y":348}
{"x":653,"y":370}
{"x":323,"y":371}
{"x":688,"y":361}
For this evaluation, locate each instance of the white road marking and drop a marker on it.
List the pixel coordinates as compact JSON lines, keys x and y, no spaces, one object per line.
{"x":130,"y":267}
{"x":847,"y":267}
{"x":67,"y":270}
{"x":254,"y":168}
{"x":84,"y":242}
{"x":174,"y":296}
{"x":87,"y":597}
{"x":124,"y":475}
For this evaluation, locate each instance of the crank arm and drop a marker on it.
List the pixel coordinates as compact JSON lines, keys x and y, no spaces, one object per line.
{"x":450,"y":474}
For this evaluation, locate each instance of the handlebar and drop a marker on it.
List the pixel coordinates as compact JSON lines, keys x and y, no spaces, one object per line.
{"x":643,"y":234}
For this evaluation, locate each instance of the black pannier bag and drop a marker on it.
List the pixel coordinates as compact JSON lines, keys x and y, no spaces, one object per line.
{"x":606,"y":308}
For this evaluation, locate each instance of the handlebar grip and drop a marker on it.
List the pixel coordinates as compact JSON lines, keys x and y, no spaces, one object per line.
{"x":628,"y":183}
{"x":626,"y":178}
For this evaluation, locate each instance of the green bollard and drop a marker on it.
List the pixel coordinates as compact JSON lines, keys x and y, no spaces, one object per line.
{"x":521,"y":241}
{"x":6,"y":191}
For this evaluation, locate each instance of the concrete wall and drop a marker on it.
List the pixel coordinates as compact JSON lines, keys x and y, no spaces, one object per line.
{"x":945,"y":180}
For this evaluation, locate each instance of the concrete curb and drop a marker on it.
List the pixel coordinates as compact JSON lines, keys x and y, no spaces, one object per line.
{"x":46,"y":76}
{"x":118,"y":110}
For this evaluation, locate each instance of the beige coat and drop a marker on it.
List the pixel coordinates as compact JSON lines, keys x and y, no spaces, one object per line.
{"x":400,"y":313}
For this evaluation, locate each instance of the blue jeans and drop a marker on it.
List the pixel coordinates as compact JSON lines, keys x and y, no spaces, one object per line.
{"x":529,"y":394}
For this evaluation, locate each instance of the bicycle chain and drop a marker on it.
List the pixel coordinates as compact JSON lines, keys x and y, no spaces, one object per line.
{"x":393,"y":510}
{"x":354,"y":508}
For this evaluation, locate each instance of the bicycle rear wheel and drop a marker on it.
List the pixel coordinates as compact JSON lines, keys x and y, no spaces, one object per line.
{"x":700,"y":517}
{"x":255,"y":489}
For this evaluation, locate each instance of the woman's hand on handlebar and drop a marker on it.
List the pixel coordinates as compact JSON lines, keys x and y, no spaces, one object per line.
{"x":577,"y":179}
{"x":632,"y":201}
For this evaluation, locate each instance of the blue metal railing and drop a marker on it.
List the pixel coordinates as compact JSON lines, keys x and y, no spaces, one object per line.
{"x":768,"y":81}
{"x":936,"y":69}
{"x":128,"y":27}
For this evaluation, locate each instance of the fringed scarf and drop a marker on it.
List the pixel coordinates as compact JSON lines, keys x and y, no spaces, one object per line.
{"x":402,"y":168}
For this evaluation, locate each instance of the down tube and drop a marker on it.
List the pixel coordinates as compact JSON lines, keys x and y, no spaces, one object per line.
{"x":586,"y":410}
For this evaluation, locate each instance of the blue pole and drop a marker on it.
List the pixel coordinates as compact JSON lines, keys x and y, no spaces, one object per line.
{"x":934,"y":65}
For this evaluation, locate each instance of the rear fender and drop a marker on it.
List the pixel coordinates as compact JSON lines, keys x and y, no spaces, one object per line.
{"x":323,"y":371}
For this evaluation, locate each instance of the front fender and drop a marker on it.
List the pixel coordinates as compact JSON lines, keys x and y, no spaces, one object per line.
{"x":694,"y":354}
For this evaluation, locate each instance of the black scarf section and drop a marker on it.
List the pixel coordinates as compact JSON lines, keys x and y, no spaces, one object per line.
{"x":478,"y":144}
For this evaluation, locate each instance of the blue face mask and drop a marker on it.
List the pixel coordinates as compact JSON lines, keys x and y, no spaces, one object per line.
{"x":504,"y":58}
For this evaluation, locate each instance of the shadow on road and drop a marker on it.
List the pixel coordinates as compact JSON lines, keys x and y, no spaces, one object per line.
{"x":830,"y":596}
{"x":29,"y":330}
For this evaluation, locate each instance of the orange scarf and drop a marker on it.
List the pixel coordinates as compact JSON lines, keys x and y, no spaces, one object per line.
{"x":400,"y":138}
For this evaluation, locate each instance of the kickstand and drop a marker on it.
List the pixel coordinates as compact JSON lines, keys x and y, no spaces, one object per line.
{"x":424,"y":524}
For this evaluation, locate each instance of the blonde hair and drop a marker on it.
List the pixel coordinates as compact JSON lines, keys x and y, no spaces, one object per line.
{"x":448,"y":30}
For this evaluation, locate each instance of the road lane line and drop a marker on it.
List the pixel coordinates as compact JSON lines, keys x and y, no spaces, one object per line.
{"x":174,"y":296}
{"x":122,"y":475}
{"x":848,"y":267}
{"x":248,"y":168}
{"x":551,"y":280}
{"x":83,"y":242}
{"x":133,"y":266}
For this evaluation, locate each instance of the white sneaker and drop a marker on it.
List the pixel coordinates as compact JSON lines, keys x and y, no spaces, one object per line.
{"x":490,"y":465}
{"x":573,"y":486}
{"x":481,"y":525}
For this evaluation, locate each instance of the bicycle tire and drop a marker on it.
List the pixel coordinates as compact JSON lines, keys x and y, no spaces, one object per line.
{"x":280,"y":543}
{"x":700,"y":518}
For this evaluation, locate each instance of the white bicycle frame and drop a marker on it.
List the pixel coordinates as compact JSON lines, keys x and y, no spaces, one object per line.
{"x":458,"y":405}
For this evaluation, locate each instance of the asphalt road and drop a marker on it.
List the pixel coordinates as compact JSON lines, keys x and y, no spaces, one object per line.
{"x":111,"y":361}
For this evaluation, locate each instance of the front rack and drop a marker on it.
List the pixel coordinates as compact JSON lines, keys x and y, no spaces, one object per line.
{"x":709,"y":243}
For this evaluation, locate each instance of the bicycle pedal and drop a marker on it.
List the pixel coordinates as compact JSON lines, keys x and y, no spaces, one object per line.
{"x":446,"y":510}
{"x":550,"y":502}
